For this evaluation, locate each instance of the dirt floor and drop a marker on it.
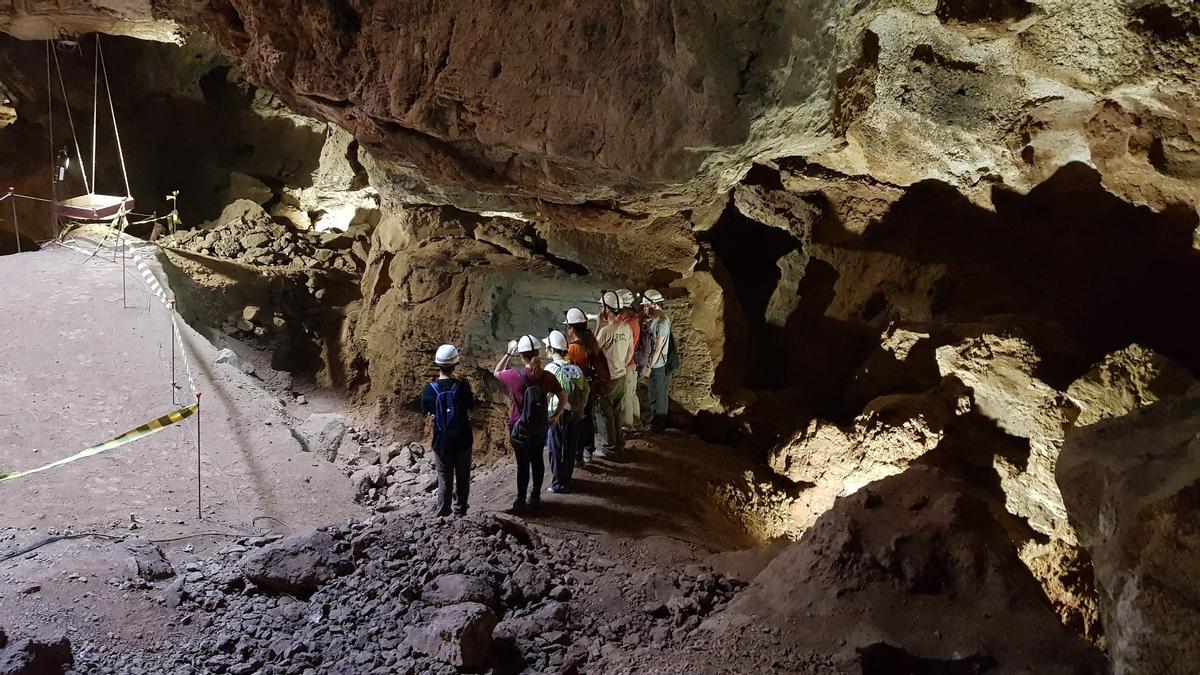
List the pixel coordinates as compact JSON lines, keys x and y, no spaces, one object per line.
{"x":79,"y":369}
{"x":82,"y":368}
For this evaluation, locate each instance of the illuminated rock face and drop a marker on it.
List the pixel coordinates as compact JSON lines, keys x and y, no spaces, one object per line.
{"x":661,"y":106}
{"x":899,"y":238}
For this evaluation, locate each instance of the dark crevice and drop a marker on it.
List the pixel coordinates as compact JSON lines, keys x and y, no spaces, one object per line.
{"x":983,"y":11}
{"x":926,"y":54}
{"x":884,"y":659}
{"x":1164,"y":22}
{"x":749,"y":251}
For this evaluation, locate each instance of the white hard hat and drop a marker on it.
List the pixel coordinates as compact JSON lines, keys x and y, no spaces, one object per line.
{"x":447,"y":355}
{"x":557,"y":340}
{"x":653,"y":296}
{"x":528,"y":343}
{"x":575,"y":315}
{"x":625,"y":298}
{"x":611,"y":300}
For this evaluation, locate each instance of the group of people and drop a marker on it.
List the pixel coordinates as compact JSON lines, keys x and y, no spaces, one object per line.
{"x":575,"y":401}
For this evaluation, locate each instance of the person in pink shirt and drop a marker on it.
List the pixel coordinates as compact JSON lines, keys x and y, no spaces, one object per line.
{"x":529,"y":419}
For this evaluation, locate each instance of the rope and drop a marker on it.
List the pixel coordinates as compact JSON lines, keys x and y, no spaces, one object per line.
{"x":29,"y":197}
{"x":157,"y":290}
{"x":50,"y":118}
{"x":113,"y":110}
{"x":95,"y":107}
{"x":71,"y":119}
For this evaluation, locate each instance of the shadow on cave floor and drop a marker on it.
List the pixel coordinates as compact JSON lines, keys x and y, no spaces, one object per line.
{"x":662,"y":488}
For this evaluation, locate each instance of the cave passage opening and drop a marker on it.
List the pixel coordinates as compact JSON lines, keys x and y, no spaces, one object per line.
{"x":750,"y":252}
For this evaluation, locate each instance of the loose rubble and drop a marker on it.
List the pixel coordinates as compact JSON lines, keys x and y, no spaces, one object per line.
{"x":247,"y":234}
{"x":408,"y":593}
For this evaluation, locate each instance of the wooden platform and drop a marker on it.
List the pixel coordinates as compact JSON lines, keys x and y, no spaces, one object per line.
{"x":93,"y":207}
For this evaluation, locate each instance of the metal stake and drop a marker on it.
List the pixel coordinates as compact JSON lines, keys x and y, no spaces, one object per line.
{"x":173,"y":386}
{"x":123,"y":302}
{"x":16,"y":225}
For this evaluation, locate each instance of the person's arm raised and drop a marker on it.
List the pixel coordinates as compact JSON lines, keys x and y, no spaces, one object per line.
{"x":502,"y":365}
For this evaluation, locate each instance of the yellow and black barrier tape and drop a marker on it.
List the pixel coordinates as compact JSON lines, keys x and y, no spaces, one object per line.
{"x":130,"y":436}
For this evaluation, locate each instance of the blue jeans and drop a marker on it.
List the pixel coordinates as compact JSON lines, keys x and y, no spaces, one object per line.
{"x":659,"y":402}
{"x":563,"y":442}
{"x":531,"y":457}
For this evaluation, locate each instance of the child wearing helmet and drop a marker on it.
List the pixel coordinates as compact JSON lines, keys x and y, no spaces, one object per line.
{"x":449,"y":401}
{"x":584,"y":351}
{"x":564,"y":436}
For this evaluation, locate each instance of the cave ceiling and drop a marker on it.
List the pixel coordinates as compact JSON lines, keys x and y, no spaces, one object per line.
{"x":658,"y":107}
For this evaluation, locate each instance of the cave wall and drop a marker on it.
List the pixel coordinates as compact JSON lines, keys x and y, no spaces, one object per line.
{"x":894,"y":233}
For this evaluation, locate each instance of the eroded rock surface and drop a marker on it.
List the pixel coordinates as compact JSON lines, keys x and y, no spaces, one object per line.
{"x":1132,"y":490}
{"x":1000,"y":371}
{"x":917,"y":541}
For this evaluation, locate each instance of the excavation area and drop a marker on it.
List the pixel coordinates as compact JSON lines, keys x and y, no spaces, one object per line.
{"x":816,"y":338}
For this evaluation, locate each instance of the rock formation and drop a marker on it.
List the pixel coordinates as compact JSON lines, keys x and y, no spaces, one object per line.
{"x":914,"y":540}
{"x":1130,"y":486}
{"x":930,"y":262}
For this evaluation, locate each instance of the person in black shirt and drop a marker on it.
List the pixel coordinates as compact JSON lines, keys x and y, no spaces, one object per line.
{"x":448,"y":399}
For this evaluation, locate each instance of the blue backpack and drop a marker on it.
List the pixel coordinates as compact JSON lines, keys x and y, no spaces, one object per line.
{"x":445,"y":408}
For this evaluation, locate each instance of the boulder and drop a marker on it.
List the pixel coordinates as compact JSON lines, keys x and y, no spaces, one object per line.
{"x":453,"y":589}
{"x":242,"y":186}
{"x":227,"y":356}
{"x":1126,"y":380}
{"x":1131,"y":486}
{"x":322,"y":434}
{"x":366,"y":479}
{"x":254,"y":240}
{"x":550,"y":616}
{"x":252,"y":313}
{"x":298,"y":565}
{"x":460,"y":635}
{"x":893,"y":431}
{"x":148,"y":561}
{"x":241,"y":211}
{"x":291,"y":215}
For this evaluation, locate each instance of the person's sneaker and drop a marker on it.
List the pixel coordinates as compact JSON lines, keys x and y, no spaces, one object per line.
{"x":518,"y":508}
{"x":559,"y":490}
{"x":535,"y":502}
{"x":608,"y":455}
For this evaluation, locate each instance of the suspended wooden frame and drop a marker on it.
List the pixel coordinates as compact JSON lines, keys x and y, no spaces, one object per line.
{"x":92,"y":206}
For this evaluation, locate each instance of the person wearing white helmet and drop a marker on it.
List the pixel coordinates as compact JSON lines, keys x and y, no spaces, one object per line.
{"x":564,"y":436}
{"x":584,"y":351}
{"x":616,"y":341}
{"x":530,"y":419}
{"x":449,"y":401}
{"x":630,"y":408}
{"x":656,"y":369}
